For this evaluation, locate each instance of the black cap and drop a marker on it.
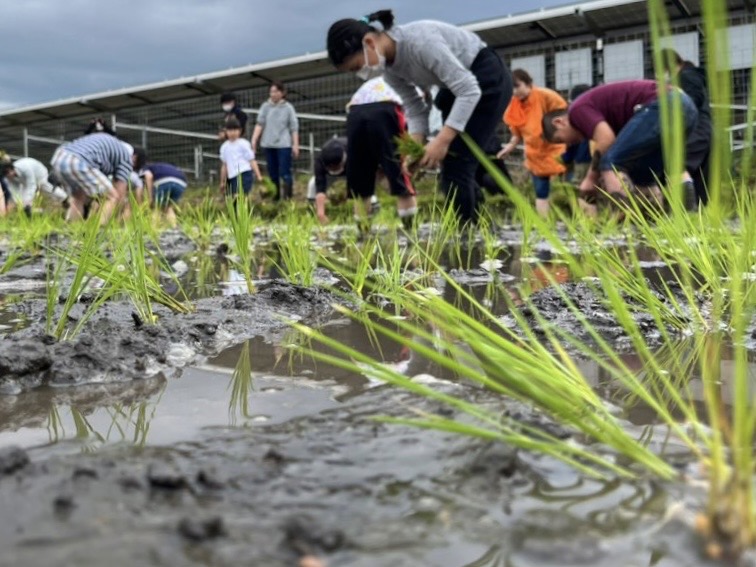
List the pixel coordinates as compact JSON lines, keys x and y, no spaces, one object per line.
{"x":228,"y":97}
{"x":332,"y":155}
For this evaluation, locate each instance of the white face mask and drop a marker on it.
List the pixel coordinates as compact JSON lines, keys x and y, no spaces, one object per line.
{"x":372,"y":71}
{"x":228,"y":107}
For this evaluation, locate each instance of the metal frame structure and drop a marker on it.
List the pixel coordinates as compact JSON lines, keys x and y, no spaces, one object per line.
{"x":177,"y":120}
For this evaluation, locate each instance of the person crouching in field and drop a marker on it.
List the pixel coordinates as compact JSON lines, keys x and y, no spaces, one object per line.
{"x":83,"y":166}
{"x":623,"y":120}
{"x":24,"y":178}
{"x":239,"y":164}
{"x":524,"y":116}
{"x":375,"y":120}
{"x":164,"y":184}
{"x":474,"y":89}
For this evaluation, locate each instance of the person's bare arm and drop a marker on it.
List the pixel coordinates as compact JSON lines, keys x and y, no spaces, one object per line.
{"x":148,"y":185}
{"x":509,"y":147}
{"x":223,"y":176}
{"x":256,"y":169}
{"x":295,"y":144}
{"x":320,"y":201}
{"x":256,"y":133}
{"x":603,"y":137}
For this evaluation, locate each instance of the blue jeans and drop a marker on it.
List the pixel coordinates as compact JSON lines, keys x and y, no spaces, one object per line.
{"x":542,"y":186}
{"x":279,"y":167}
{"x":638,"y":148}
{"x":168,"y":193}
{"x":244,"y":181}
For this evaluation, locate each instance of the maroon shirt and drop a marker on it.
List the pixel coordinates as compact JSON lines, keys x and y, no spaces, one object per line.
{"x":614,"y":103}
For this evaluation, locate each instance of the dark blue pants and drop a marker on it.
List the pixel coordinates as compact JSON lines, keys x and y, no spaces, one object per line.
{"x":279,"y":169}
{"x":243,"y":181}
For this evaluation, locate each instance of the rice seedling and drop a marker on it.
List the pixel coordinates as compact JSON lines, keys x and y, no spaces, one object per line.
{"x":198,"y":221}
{"x":241,"y":224}
{"x":298,"y":261}
{"x":241,"y":386}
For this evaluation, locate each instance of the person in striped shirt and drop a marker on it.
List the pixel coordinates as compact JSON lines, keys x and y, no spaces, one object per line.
{"x":83,"y":166}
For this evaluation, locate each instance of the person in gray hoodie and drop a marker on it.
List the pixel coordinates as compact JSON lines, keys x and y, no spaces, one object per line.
{"x":277,"y":131}
{"x":474,"y":89}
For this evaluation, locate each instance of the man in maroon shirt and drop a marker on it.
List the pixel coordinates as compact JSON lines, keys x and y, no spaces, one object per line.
{"x":623,"y":120}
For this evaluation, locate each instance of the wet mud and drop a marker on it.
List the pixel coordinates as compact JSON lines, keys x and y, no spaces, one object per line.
{"x":115,"y":346}
{"x":338,"y":486}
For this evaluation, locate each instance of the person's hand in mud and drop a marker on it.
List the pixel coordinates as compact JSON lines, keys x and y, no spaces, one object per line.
{"x":320,"y":202}
{"x":437,"y":148}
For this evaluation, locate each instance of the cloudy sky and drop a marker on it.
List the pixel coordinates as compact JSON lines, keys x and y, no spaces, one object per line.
{"x":56,"y":49}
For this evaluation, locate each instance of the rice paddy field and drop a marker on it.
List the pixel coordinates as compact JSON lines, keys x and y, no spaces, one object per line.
{"x":251,"y":388}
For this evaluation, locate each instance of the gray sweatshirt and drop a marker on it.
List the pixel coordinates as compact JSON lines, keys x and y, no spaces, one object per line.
{"x":279,"y":121}
{"x":434,"y":53}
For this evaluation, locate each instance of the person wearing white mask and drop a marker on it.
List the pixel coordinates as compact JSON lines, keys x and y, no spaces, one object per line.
{"x":231,"y":109}
{"x":474,"y":88}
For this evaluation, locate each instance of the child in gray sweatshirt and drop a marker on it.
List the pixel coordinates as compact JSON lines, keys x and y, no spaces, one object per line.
{"x":475,"y":88}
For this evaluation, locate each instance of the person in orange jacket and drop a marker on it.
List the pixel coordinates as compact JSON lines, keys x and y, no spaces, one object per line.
{"x":523,"y":117}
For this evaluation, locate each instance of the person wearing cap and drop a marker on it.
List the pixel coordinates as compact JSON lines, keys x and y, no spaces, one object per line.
{"x":231,"y":109}
{"x":83,"y":167}
{"x":239,"y":164}
{"x":23,"y":178}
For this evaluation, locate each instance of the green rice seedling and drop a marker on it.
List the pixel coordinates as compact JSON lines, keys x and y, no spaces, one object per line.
{"x":241,"y":386}
{"x":240,"y":216}
{"x":84,"y":254}
{"x":298,"y":261}
{"x":410,"y":150}
{"x":198,"y":221}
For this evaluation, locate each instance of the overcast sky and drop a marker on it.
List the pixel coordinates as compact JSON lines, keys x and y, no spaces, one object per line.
{"x":56,"y":49}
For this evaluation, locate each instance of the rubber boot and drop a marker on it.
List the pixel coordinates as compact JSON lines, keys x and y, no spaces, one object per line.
{"x":286,"y":190}
{"x":690,"y":199}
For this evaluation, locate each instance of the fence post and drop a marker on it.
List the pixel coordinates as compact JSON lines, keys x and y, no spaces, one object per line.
{"x":26,"y":141}
{"x":144,"y":140}
{"x":113,"y":121}
{"x":198,"y":161}
{"x":312,"y":152}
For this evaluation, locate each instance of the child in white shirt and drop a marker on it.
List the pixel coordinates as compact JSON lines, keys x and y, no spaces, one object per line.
{"x":239,"y":165}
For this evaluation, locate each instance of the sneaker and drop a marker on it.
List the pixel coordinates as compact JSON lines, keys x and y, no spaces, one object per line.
{"x":690,"y":199}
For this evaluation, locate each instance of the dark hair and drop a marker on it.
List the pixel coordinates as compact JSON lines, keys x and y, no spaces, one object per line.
{"x":522,"y":76}
{"x":228,"y":97}
{"x":280,"y":86}
{"x":332,"y":155}
{"x":141,"y":158}
{"x":670,"y":59}
{"x":579,"y":89}
{"x":232,"y":123}
{"x":5,"y":167}
{"x":548,"y":123}
{"x":345,"y":36}
{"x":99,"y":125}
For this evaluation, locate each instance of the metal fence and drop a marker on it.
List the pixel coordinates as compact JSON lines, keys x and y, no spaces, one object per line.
{"x":185,"y":132}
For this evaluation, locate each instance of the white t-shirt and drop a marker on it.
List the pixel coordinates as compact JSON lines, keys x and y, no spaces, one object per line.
{"x":237,"y":155}
{"x":30,"y":176}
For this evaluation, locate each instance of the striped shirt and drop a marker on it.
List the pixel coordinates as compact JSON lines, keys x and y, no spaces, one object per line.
{"x":104,"y":152}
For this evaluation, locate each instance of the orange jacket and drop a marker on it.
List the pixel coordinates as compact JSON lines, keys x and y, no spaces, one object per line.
{"x":523,"y":117}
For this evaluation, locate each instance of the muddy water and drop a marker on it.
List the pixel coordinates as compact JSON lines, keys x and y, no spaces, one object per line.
{"x":244,"y":455}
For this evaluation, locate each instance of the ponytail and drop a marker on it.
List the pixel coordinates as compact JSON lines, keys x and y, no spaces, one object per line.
{"x":345,"y":36}
{"x":384,"y":17}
